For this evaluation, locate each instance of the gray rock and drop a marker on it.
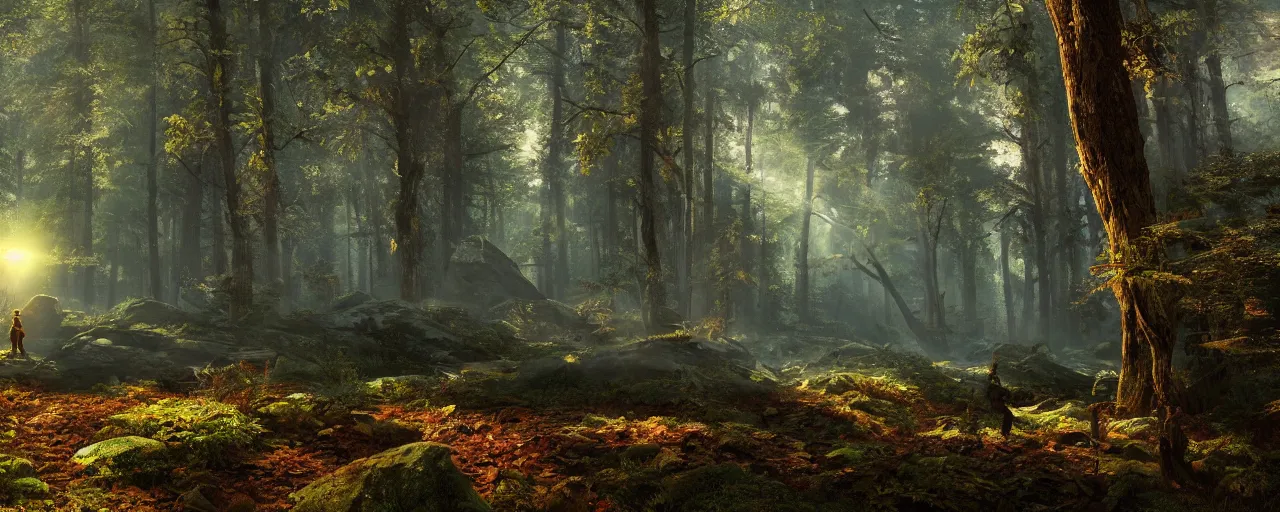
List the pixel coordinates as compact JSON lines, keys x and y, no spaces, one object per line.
{"x":103,"y":354}
{"x":150,"y":312}
{"x":41,"y":317}
{"x":351,"y":300}
{"x":480,"y":276}
{"x":418,"y":477}
{"x":1032,"y":368}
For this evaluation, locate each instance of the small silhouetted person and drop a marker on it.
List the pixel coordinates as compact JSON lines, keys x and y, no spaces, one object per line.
{"x":16,"y":334}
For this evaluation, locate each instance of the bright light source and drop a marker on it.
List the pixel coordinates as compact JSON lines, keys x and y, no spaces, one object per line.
{"x":16,"y":256}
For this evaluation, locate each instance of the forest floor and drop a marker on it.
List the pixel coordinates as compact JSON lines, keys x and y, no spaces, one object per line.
{"x":852,"y":444}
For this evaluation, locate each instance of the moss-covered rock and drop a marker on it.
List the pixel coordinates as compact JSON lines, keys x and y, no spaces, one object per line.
{"x":18,"y":481}
{"x":1053,"y":415}
{"x":131,"y":458}
{"x":418,"y":477}
{"x":209,"y":432}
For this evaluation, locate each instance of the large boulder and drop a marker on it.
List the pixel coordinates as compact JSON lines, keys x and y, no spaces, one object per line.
{"x":481,"y":276}
{"x":109,"y":354}
{"x":417,"y":477}
{"x":42,"y":317}
{"x":150,"y":312}
{"x":412,"y":329}
{"x":1032,"y":368}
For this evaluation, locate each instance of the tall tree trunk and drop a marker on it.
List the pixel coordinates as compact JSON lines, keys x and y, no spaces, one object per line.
{"x":763,"y":311}
{"x":82,"y":161}
{"x":687,"y":135}
{"x":1218,"y":102}
{"x":1064,"y":228}
{"x":1114,"y":167}
{"x":1006,"y":284}
{"x":969,"y":282}
{"x":289,"y":291}
{"x":802,"y":259}
{"x":218,"y":222}
{"x":708,"y":221}
{"x":1028,"y":286}
{"x":745,"y":251}
{"x":153,"y":209}
{"x":408,"y":242}
{"x":241,"y":284}
{"x":188,"y":263}
{"x":266,"y":143}
{"x":113,"y":274}
{"x":373,"y":190}
{"x":651,"y":110}
{"x":555,"y":161}
{"x":1192,"y":151}
{"x":1036,"y":214}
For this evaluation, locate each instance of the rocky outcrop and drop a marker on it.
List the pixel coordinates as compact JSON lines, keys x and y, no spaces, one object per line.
{"x":481,"y":276}
{"x":109,"y":354}
{"x":417,"y":477}
{"x":150,"y":312}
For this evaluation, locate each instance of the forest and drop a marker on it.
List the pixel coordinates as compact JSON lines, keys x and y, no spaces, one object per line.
{"x":640,"y":255}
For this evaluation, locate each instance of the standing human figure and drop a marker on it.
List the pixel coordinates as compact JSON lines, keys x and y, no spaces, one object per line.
{"x":16,"y":334}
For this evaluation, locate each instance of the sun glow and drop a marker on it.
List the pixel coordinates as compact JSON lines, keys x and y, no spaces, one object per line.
{"x":16,"y":256}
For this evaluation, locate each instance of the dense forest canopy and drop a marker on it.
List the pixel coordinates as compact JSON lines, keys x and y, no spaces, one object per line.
{"x":318,"y":148}
{"x":1095,"y":177}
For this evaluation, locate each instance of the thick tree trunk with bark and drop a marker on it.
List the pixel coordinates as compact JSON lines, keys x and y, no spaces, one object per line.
{"x":1218,"y":102}
{"x":82,"y":155}
{"x":192,"y":214}
{"x":744,"y":241}
{"x":241,"y":282}
{"x":1114,"y":167}
{"x":156,"y":288}
{"x":687,"y":156}
{"x":651,"y":109}
{"x":555,"y":165}
{"x":266,"y":143}
{"x":802,"y":258}
{"x":708,"y":221}
{"x":408,"y":242}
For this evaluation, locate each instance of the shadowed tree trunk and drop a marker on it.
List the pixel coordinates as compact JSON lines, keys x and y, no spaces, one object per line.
{"x":241,"y":283}
{"x":651,"y":108}
{"x":402,"y":109}
{"x":82,"y":155}
{"x":1006,"y":284}
{"x":1114,"y":167}
{"x":266,"y":143}
{"x":555,"y":167}
{"x":687,"y":134}
{"x":708,"y":221}
{"x":156,"y":288}
{"x":802,"y":259}
{"x":1218,"y":102}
